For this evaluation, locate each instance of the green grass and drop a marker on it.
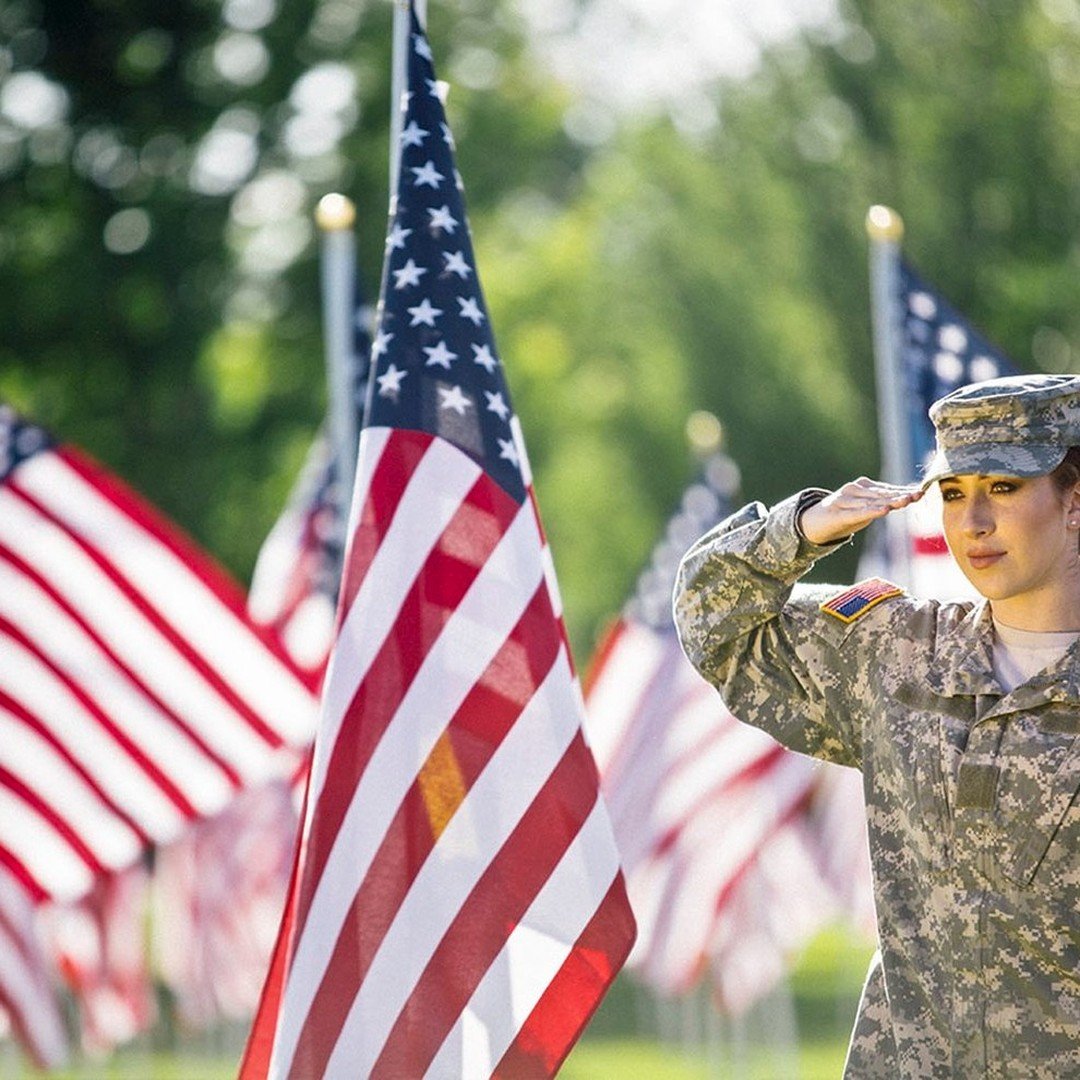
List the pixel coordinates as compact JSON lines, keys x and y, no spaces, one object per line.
{"x":799,"y":1034}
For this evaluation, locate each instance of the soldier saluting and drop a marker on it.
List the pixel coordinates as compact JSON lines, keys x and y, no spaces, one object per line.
{"x":962,"y":716}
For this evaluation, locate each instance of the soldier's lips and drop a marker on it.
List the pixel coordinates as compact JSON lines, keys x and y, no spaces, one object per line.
{"x":982,"y":559}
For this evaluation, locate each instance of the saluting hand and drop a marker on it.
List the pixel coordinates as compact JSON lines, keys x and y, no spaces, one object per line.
{"x":852,"y":507}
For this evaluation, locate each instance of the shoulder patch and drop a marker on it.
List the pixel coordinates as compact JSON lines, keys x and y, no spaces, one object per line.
{"x":853,"y":603}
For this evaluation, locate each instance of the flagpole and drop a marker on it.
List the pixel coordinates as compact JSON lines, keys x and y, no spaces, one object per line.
{"x":885,"y":229}
{"x":336,"y":216}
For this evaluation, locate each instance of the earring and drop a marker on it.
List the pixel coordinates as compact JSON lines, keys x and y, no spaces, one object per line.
{"x":1073,"y":523}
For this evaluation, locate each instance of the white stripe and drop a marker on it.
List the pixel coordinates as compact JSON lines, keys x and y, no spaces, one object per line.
{"x":46,"y":698}
{"x":502,"y":793}
{"x":82,"y":662}
{"x":130,"y":635}
{"x":532,"y":956}
{"x":613,"y":697}
{"x":33,"y":841}
{"x":455,"y":661}
{"x":435,"y":492}
{"x":183,"y":599}
{"x":372,"y":444}
{"x":37,"y":764}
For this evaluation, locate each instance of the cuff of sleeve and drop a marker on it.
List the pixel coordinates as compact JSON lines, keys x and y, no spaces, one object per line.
{"x":789,"y":550}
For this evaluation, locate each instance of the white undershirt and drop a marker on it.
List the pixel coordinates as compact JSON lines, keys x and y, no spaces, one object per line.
{"x":1020,"y":654}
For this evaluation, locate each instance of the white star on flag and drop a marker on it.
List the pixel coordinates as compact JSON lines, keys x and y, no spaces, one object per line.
{"x":426,"y":174}
{"x":422,"y":47}
{"x":441,"y":218}
{"x":484,"y":358}
{"x":440,"y":355}
{"x":390,"y":381}
{"x":413,"y":135}
{"x":453,"y":398}
{"x":508,"y":451}
{"x":448,"y":136}
{"x":470,"y":310}
{"x":397,"y":238}
{"x":424,"y":313}
{"x":456,"y":264}
{"x":378,"y":346}
{"x":409,"y":274}
{"x":496,"y":404}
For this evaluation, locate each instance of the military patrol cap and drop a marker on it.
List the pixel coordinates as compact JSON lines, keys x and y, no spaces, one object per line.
{"x":1018,"y":426}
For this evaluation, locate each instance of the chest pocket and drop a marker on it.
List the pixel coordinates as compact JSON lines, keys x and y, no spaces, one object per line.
{"x":1037,"y":796}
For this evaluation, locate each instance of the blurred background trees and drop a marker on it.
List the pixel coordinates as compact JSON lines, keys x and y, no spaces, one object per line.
{"x":159,"y":163}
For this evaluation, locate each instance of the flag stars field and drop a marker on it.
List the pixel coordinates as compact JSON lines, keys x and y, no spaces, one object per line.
{"x":424,"y":314}
{"x":470,"y":310}
{"x":454,"y":398}
{"x":441,"y":218}
{"x":484,"y":358}
{"x":390,"y":381}
{"x":426,"y":175}
{"x":456,"y":264}
{"x":439,"y":355}
{"x":409,"y":274}
{"x":413,"y":135}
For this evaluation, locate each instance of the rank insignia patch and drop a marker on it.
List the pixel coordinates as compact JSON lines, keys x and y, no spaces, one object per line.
{"x":855,"y":602}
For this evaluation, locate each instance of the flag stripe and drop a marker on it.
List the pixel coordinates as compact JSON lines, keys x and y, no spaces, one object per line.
{"x":505,"y":888}
{"x":33,"y":844}
{"x":427,"y":703}
{"x":573,"y":994}
{"x":475,"y":733}
{"x":208,"y":679}
{"x":43,"y":691}
{"x":30,"y":757}
{"x":389,"y":582}
{"x":12,"y":710}
{"x":204,"y":604}
{"x":15,"y":574}
{"x":452,"y":566}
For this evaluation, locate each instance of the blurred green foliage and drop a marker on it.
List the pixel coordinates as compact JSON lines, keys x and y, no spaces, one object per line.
{"x":158,"y":281}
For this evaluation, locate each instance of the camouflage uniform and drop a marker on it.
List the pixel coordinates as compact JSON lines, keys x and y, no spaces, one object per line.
{"x":970,"y":795}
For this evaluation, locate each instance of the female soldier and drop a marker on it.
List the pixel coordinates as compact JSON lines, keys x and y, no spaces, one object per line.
{"x":963,"y":718}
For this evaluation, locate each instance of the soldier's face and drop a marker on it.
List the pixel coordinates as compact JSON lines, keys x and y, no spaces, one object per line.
{"x":1012,"y":540}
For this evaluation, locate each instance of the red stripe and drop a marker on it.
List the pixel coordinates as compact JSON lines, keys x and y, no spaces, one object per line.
{"x":154,"y":615}
{"x":475,"y":732}
{"x":21,"y":873}
{"x":149,"y":767}
{"x":212,"y":574}
{"x":570,"y":999}
{"x":402,"y":453}
{"x":53,"y":817}
{"x":496,"y":904}
{"x":20,"y":714}
{"x":610,"y":638}
{"x":24,"y":568}
{"x":453,"y":565}
{"x":930,"y":545}
{"x":753,"y":771}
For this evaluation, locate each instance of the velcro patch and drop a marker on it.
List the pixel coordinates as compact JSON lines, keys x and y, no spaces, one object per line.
{"x":855,"y":602}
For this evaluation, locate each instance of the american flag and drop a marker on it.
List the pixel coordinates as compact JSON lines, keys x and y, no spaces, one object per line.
{"x":459,"y":908}
{"x":135,"y":694}
{"x":729,"y":853}
{"x":295,"y":584}
{"x":939,"y":352}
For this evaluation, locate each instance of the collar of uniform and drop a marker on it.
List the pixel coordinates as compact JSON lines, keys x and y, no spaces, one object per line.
{"x":964,"y":657}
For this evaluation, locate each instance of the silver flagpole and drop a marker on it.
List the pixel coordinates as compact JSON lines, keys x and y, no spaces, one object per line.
{"x":399,"y":72}
{"x":885,"y":229}
{"x":336,"y":216}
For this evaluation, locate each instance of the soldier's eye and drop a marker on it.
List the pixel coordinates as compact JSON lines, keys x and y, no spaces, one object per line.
{"x":1003,"y":487}
{"x":950,"y":494}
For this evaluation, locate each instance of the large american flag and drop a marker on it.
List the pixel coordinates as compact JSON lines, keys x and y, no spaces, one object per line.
{"x":732,"y":857}
{"x":939,"y":351}
{"x":135,"y":694}
{"x":459,"y":908}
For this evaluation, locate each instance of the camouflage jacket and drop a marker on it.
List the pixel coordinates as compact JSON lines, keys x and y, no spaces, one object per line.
{"x":971,"y":796}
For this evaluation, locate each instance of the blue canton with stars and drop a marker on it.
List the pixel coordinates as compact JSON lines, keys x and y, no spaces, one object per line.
{"x":940,"y":352}
{"x":435,"y":367}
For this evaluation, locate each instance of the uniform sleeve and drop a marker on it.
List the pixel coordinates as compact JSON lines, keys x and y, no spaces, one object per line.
{"x":761,"y":639}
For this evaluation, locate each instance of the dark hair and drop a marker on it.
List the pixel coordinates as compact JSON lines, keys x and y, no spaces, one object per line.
{"x":1067,"y":474}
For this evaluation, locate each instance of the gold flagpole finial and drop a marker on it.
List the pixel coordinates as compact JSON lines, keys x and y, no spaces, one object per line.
{"x":704,"y":432}
{"x":884,"y":223}
{"x":335,"y":213}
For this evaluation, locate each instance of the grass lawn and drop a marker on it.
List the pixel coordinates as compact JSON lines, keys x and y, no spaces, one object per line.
{"x":798,"y":1034}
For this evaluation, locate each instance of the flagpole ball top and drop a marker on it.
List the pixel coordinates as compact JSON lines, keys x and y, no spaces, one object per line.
{"x":704,"y":432}
{"x":335,"y":213}
{"x":884,"y":223}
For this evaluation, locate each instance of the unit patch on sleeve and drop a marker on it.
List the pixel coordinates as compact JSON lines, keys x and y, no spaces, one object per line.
{"x":855,"y":602}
